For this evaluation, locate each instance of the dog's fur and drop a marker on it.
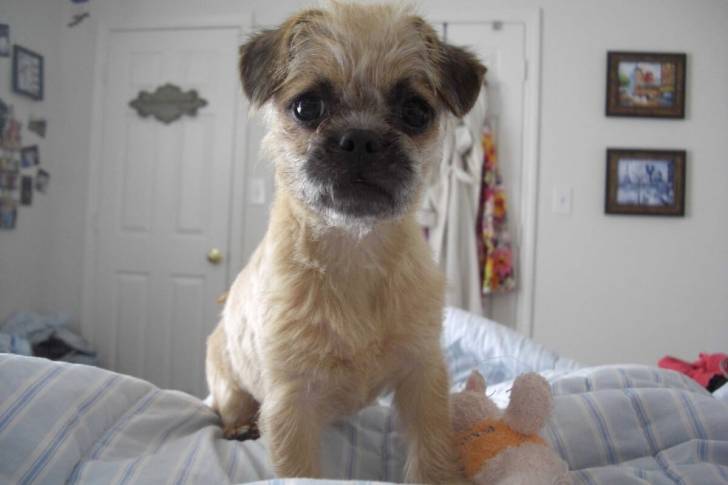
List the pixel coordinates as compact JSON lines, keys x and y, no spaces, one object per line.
{"x":342,"y":299}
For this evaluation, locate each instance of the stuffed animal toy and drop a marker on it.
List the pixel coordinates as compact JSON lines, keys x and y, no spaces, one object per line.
{"x":503,"y":446}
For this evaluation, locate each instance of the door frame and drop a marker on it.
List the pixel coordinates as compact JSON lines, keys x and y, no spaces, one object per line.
{"x":531,"y":19}
{"x":243,"y":24}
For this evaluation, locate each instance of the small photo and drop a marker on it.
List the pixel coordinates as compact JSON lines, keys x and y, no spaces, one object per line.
{"x":9,"y":181}
{"x":26,"y":190}
{"x":8,"y":213}
{"x":4,"y":40}
{"x":4,"y":117}
{"x":27,"y":73}
{"x":648,"y":182}
{"x":29,"y":156}
{"x":38,"y":126}
{"x":8,"y":164}
{"x":646,"y":84}
{"x":41,"y":181}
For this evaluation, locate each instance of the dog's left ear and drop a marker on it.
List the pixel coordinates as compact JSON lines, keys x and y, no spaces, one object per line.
{"x":461,"y":78}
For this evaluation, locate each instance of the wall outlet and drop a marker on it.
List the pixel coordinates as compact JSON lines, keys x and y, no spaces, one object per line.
{"x":256,"y":191}
{"x":561,"y":201}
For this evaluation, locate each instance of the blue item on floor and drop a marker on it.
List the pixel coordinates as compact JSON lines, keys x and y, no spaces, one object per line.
{"x":29,"y":333}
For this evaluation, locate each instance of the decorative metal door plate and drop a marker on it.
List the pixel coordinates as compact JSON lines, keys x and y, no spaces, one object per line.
{"x":168,"y":103}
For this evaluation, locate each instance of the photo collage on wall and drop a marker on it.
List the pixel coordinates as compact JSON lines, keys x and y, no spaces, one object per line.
{"x":20,"y":157}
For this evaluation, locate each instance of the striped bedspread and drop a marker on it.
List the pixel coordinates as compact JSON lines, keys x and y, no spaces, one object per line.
{"x":613,"y":425}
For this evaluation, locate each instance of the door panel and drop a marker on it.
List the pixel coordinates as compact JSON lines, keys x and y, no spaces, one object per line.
{"x":501,"y":47}
{"x":165,"y":201}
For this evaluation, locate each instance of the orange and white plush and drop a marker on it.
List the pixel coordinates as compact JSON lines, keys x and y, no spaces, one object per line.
{"x":503,"y":446}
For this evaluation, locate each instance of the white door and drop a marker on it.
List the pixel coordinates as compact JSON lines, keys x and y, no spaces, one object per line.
{"x":501,"y":46}
{"x":164,"y":202}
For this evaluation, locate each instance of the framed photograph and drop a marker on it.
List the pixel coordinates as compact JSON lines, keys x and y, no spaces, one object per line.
{"x":27,"y":73}
{"x":29,"y":156}
{"x":645,"y":182}
{"x":646,"y":84}
{"x":4,"y":40}
{"x":8,"y":181}
{"x":41,"y":181}
{"x":8,"y":164}
{"x":4,"y":117}
{"x":8,"y":213}
{"x":26,"y":190}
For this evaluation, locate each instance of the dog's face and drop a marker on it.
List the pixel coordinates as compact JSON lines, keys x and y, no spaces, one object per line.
{"x":355,"y":96}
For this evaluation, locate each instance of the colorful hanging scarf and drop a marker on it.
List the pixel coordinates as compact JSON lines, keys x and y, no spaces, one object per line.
{"x":495,"y":253}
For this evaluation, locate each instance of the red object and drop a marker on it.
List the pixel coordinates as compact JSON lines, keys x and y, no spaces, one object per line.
{"x":702,"y":370}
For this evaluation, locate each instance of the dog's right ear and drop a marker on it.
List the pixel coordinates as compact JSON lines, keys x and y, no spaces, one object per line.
{"x":261,"y":65}
{"x":264,"y":58}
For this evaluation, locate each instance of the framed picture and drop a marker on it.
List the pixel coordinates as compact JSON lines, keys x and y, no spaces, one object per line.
{"x":645,"y":182}
{"x":41,"y":181}
{"x":646,"y":84}
{"x":4,"y":117}
{"x":9,"y":181}
{"x":4,"y":40}
{"x":29,"y":156}
{"x":8,"y":164}
{"x":8,"y":213}
{"x":27,"y":73}
{"x":26,"y":190}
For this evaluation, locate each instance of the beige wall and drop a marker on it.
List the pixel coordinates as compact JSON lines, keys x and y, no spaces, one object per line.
{"x":24,"y":252}
{"x":608,"y":289}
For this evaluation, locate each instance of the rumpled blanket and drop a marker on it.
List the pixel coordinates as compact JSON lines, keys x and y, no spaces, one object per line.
{"x":613,"y":425}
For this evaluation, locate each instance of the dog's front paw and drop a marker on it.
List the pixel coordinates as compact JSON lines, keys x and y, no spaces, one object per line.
{"x":241,"y":433}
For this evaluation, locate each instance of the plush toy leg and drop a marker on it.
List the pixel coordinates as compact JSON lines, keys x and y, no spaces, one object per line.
{"x":527,"y":464}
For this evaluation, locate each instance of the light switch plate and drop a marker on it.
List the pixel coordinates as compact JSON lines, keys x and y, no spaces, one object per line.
{"x":561,"y":201}
{"x":256,"y":191}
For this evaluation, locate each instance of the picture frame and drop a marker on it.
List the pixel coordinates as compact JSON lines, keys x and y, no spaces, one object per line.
{"x":4,"y":117}
{"x":26,"y":190}
{"x":42,"y":179}
{"x":4,"y":40}
{"x":29,"y":156}
{"x":645,"y":182}
{"x":27,"y":73}
{"x":9,"y":181}
{"x":646,"y":84}
{"x":8,"y":213}
{"x":9,"y":164}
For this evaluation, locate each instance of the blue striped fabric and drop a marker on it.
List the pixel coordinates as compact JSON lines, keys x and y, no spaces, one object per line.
{"x":618,"y":424}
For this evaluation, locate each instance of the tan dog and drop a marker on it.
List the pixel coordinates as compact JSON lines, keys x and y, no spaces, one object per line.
{"x":342,"y":299}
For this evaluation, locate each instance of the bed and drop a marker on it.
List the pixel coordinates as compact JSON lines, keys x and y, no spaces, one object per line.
{"x":616,"y":424}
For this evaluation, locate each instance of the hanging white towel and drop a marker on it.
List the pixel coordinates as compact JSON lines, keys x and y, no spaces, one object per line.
{"x":451,"y":204}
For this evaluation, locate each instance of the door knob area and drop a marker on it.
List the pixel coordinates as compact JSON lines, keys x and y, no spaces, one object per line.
{"x":214,"y":256}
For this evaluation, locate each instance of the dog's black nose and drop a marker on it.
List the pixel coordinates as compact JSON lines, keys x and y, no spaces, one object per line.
{"x":360,"y":143}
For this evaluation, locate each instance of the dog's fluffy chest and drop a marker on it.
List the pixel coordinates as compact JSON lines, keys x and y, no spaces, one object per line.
{"x":348,"y":329}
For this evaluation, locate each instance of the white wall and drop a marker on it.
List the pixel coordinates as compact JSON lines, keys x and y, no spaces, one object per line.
{"x":24,"y":252}
{"x":621,"y":288}
{"x":608,"y":289}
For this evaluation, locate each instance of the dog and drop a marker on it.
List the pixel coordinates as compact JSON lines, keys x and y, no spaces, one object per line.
{"x":342,"y":300}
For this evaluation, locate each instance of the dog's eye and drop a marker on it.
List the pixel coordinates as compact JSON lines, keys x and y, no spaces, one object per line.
{"x":416,"y":113}
{"x":308,"y":108}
